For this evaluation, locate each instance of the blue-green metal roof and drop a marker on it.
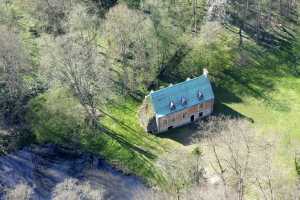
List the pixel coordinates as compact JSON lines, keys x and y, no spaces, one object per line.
{"x":188,"y":89}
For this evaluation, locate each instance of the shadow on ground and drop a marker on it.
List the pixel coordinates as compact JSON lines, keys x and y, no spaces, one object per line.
{"x":43,"y":167}
{"x":254,"y":74}
{"x":186,"y":134}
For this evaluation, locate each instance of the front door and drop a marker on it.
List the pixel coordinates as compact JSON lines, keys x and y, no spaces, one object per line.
{"x":192,"y":118}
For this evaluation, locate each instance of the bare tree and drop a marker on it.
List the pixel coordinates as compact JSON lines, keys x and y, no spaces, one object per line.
{"x":73,"y":189}
{"x":133,"y":43}
{"x":77,"y":63}
{"x":21,"y":192}
{"x":76,"y":60}
{"x":206,"y":191}
{"x":183,"y":170}
{"x":243,"y":161}
{"x":50,"y":14}
{"x":194,"y":5}
{"x":13,"y":63}
{"x":239,"y":12}
{"x":150,"y":194}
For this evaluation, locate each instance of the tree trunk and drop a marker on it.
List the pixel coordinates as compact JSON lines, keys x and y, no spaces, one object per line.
{"x":194,"y":16}
{"x":241,"y":37}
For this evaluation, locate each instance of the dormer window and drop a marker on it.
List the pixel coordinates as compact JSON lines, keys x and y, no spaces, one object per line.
{"x":183,"y":101}
{"x":172,"y":105}
{"x":200,"y":95}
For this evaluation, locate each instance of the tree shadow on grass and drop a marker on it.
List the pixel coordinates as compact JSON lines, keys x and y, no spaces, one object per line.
{"x":139,"y":135}
{"x":257,"y":78}
{"x":279,"y":32}
{"x":260,"y":76}
{"x":127,"y":145}
{"x":143,"y":159}
{"x":223,"y":95}
{"x":169,"y":73}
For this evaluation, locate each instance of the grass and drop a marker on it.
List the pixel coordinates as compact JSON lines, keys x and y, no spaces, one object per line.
{"x":281,"y":114}
{"x":57,"y":117}
{"x":277,"y":117}
{"x":270,"y":98}
{"x":123,"y":119}
{"x":264,"y":88}
{"x":267,"y":91}
{"x":138,"y":151}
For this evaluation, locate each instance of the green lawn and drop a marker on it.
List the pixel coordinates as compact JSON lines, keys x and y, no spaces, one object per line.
{"x":57,"y":117}
{"x":277,"y":116}
{"x":266,"y":91}
{"x":274,"y":108}
{"x":130,"y":146}
{"x":268,"y":94}
{"x":282,"y":115}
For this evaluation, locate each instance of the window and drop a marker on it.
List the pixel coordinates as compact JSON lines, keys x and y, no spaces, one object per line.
{"x":192,"y":118}
{"x":183,"y":115}
{"x":171,"y":120}
{"x":183,"y":101}
{"x":200,"y":95}
{"x":201,"y":106}
{"x":172,"y":105}
{"x":165,"y":122}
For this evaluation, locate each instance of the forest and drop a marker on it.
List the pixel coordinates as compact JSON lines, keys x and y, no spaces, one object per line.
{"x":74,"y":74}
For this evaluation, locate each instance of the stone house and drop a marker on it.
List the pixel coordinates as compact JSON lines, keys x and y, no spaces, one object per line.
{"x":177,"y":104}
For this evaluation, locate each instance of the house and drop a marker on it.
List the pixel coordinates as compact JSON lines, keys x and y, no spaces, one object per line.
{"x":178,"y":104}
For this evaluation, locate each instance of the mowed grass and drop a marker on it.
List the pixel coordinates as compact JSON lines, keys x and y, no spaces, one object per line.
{"x":268,"y":94}
{"x":278,"y":120}
{"x":265,"y":89}
{"x":123,"y":119}
{"x":282,"y":115}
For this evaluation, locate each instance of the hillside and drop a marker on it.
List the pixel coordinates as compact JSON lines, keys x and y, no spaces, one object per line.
{"x":75,"y":74}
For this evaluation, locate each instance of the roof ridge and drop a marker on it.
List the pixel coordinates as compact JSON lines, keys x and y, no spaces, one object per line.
{"x":180,"y":83}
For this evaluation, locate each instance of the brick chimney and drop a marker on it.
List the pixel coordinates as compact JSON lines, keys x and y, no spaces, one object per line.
{"x":205,"y":72}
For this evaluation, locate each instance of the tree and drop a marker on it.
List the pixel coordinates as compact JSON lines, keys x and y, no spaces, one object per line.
{"x":75,"y":60}
{"x":194,"y":4}
{"x":183,"y":170}
{"x":9,"y":15}
{"x":75,"y":190}
{"x":76,"y":63}
{"x":239,"y":13}
{"x":21,"y":192}
{"x":243,"y":161}
{"x":133,"y":44}
{"x":13,"y":64}
{"x":50,"y":15}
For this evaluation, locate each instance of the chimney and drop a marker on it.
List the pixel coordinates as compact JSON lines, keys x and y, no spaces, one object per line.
{"x":205,"y":72}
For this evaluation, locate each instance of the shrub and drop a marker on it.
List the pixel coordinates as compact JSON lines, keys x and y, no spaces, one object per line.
{"x":19,"y":192}
{"x":57,"y":117}
{"x":73,"y":189}
{"x":297,"y":163}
